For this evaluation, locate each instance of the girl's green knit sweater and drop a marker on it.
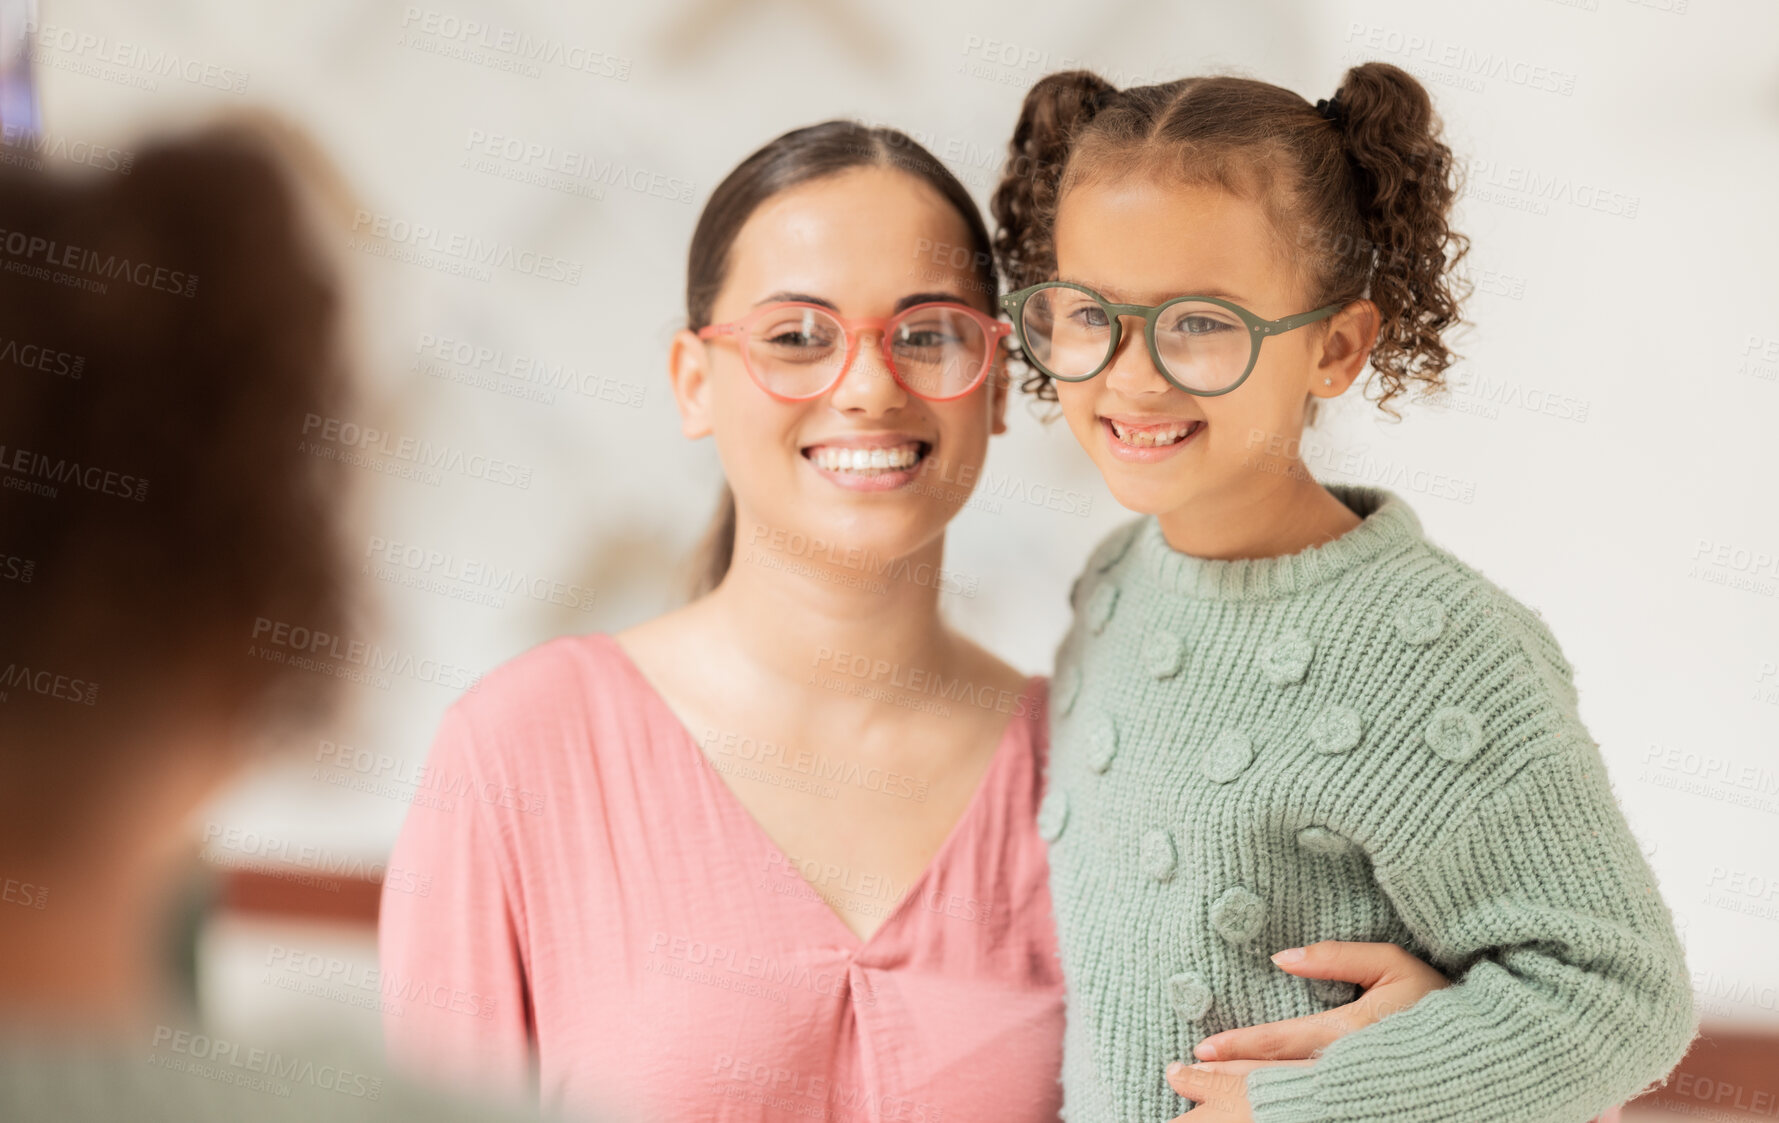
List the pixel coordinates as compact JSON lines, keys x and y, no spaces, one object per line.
{"x":1363,"y":741}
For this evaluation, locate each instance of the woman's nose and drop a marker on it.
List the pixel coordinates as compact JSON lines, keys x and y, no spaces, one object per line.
{"x":867,"y":383}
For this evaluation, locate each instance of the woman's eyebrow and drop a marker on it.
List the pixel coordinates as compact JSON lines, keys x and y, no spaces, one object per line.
{"x":796,"y":298}
{"x":906,"y":302}
{"x":914,"y":298}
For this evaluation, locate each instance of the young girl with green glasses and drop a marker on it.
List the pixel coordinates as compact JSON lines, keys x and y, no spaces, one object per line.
{"x":1282,"y":715}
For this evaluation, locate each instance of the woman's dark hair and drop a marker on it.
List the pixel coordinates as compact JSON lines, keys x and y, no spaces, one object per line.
{"x":165,"y":338}
{"x":796,"y":158}
{"x":1360,"y":189}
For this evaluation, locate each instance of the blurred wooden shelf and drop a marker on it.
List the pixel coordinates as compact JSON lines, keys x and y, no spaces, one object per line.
{"x":299,"y":894}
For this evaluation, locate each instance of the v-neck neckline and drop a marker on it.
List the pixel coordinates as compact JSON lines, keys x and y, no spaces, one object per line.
{"x":855,"y":943}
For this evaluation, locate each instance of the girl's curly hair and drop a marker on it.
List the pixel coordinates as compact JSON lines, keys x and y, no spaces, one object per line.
{"x":1360,"y":188}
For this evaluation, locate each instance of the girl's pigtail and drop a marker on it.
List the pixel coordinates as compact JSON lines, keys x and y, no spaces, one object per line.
{"x":1406,"y":181}
{"x":1025,"y":201}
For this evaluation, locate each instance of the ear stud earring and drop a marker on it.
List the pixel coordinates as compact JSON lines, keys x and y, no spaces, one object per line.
{"x":1328,"y":382}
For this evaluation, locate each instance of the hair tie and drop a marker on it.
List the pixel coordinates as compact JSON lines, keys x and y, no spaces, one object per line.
{"x":1331,"y":108}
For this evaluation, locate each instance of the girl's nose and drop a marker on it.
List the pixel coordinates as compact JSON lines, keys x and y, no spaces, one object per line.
{"x":1132,"y":369}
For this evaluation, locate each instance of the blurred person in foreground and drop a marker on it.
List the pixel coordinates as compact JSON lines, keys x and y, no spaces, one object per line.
{"x":163,"y":337}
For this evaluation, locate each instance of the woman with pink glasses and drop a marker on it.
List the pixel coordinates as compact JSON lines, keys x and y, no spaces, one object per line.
{"x":773,"y":855}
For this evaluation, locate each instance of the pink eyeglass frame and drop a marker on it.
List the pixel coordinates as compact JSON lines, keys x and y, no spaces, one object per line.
{"x":852,"y":330}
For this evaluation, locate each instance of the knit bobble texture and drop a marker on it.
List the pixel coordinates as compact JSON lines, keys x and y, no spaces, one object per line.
{"x":1455,"y":734}
{"x":1365,"y":740}
{"x":1102,"y":742}
{"x":1238,"y":914}
{"x":1163,"y":652}
{"x":1287,"y":660}
{"x":1068,"y":688}
{"x":1099,"y":607}
{"x":1228,"y":756}
{"x":1420,"y":621}
{"x":1188,"y":995}
{"x":1337,"y":729}
{"x":1113,"y":551}
{"x":1158,"y":855}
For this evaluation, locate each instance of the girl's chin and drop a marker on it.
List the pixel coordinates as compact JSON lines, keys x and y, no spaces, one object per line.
{"x":1149,"y":497}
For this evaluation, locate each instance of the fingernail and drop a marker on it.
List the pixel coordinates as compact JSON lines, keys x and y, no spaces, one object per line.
{"x":1205,"y":1051}
{"x":1175,"y":1069}
{"x":1289,"y":955}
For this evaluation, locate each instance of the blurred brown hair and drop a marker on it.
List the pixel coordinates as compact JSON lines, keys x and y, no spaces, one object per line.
{"x":1361,"y":196}
{"x":163,"y":338}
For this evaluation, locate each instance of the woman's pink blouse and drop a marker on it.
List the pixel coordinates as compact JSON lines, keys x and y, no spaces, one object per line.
{"x":576,"y":879}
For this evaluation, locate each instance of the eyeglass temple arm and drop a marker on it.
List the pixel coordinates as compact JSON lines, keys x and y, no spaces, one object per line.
{"x":1274,"y":327}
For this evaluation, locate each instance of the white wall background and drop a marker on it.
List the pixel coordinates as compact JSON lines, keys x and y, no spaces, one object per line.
{"x":1608,"y":457}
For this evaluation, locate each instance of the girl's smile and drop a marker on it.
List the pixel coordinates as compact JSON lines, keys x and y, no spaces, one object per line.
{"x":1145,"y":440}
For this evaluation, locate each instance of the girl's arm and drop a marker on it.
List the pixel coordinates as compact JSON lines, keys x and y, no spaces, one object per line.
{"x":1390,"y":980}
{"x":1571,"y":993}
{"x":450,"y":934}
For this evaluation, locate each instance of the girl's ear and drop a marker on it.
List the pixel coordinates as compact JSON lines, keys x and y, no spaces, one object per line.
{"x":688,"y":369}
{"x":1346,"y":346}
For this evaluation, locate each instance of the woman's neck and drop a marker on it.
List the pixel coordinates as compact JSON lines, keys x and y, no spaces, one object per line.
{"x":798,"y":611}
{"x":1267,"y":516}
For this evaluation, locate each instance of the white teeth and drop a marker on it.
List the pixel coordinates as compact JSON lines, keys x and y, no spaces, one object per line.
{"x":1153,"y":438}
{"x":836,"y":459}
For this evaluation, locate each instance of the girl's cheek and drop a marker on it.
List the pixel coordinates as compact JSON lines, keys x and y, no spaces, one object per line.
{"x":1077,"y":406}
{"x":1245,"y":425}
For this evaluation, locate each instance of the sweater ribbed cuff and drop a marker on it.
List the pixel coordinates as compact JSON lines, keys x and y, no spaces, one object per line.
{"x":1285,"y":1094}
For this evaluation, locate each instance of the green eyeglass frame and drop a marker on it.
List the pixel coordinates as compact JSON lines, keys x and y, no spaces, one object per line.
{"x":1258,"y":329}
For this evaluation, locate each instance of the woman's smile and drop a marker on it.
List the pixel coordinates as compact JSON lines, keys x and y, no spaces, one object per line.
{"x":874,"y":461}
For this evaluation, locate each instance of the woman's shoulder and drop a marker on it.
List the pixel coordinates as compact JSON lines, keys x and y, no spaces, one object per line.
{"x":1028,"y":708}
{"x":991,"y":683}
{"x":548,"y":675}
{"x":561,"y":723}
{"x":564,"y":691}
